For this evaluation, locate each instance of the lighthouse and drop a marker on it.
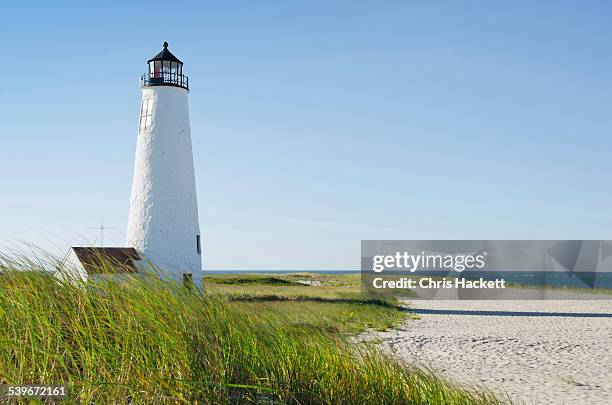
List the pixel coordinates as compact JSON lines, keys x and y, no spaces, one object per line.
{"x":163,"y":220}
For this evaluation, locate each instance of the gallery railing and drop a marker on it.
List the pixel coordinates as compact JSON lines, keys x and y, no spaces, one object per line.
{"x":164,"y":79}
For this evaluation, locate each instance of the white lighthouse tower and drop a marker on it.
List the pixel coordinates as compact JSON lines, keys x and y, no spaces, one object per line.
{"x":163,"y":223}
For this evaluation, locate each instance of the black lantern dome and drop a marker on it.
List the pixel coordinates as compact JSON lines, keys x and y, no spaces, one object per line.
{"x":165,"y":69}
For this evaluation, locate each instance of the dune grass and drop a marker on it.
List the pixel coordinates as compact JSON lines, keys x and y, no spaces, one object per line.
{"x":149,"y":341}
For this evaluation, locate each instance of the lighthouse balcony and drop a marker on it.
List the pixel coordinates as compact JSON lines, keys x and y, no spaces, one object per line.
{"x":165,"y":79}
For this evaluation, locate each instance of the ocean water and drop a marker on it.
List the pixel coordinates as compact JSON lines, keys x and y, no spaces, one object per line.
{"x":280,"y":271}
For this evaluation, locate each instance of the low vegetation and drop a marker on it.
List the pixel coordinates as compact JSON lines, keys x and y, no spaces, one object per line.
{"x":148,"y":341}
{"x":333,"y":303}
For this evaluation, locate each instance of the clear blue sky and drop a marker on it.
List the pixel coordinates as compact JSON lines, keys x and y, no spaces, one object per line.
{"x":316,"y":124}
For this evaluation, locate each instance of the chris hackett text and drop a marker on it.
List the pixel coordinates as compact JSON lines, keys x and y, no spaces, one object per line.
{"x":429,"y":282}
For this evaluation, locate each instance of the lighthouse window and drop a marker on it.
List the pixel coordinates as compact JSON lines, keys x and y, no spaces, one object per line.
{"x":198,"y":245}
{"x":146,"y":115}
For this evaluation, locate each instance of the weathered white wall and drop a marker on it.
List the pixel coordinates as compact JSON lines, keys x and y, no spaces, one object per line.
{"x":163,"y":221}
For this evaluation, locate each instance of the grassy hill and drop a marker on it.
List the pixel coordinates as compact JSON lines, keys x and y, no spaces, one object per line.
{"x":249,"y":339}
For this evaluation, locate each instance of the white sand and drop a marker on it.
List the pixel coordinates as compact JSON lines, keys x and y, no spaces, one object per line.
{"x":541,"y":352}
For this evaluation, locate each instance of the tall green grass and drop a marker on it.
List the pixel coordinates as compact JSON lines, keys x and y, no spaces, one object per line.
{"x":150,"y":341}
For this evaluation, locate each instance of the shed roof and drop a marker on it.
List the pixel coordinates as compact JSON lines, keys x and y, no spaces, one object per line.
{"x":97,"y":260}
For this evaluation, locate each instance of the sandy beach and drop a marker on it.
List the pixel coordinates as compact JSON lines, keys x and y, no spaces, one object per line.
{"x":540,"y":352}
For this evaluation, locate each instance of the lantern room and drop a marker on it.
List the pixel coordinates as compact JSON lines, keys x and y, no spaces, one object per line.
{"x":165,"y":69}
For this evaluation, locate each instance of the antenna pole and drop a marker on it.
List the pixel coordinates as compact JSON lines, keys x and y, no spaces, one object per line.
{"x":101,"y":228}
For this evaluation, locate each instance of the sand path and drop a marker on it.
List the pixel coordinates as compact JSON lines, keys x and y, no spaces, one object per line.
{"x":541,"y":352}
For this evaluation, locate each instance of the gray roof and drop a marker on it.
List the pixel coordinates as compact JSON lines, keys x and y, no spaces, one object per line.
{"x":165,"y":54}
